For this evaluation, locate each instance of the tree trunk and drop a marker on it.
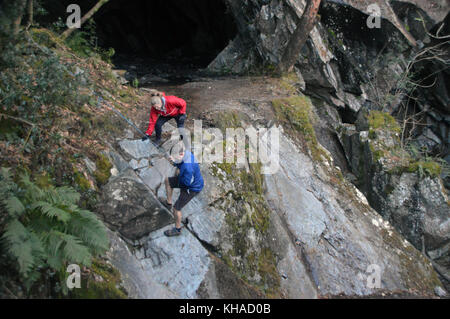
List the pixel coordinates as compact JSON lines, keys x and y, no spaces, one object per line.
{"x":18,"y":19}
{"x":86,"y":17}
{"x":298,"y":39}
{"x":30,"y":13}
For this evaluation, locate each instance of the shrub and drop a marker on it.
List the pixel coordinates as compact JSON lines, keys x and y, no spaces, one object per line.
{"x":44,"y":228}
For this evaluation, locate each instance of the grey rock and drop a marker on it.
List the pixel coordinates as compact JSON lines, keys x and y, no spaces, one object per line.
{"x":138,"y":149}
{"x":139,"y":164}
{"x":119,"y":163}
{"x":128,"y":206}
{"x":90,"y":165}
{"x":439,"y":291}
{"x":340,"y":238}
{"x":138,"y":284}
{"x":179,"y":263}
{"x":151,"y":177}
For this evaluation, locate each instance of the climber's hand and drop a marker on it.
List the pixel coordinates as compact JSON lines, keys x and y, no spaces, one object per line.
{"x":146,"y":137}
{"x":171,"y":160}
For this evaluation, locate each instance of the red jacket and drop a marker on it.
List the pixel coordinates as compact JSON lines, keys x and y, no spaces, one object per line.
{"x":174,"y":106}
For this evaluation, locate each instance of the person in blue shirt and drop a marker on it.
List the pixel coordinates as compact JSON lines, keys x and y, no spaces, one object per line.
{"x":189,"y":181}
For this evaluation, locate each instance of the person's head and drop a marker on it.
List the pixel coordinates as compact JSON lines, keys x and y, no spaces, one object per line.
{"x":177,"y":152}
{"x":156,"y":100}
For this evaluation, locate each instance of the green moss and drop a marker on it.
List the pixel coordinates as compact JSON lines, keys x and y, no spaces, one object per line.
{"x":108,"y":288}
{"x":103,"y":172}
{"x":288,"y":82}
{"x":377,"y":155}
{"x":46,"y":37}
{"x":229,"y":119}
{"x":296,"y":112}
{"x":267,"y":269}
{"x":383,"y":120}
{"x":81,"y":181}
{"x":429,"y":167}
{"x":250,"y":211}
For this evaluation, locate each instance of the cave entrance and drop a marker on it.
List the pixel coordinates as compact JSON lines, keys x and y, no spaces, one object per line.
{"x":191,"y":32}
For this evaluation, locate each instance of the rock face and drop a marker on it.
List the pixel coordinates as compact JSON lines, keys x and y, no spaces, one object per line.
{"x":355,"y":69}
{"x":295,"y":234}
{"x":411,"y":198}
{"x":347,"y":64}
{"x":303,"y":231}
{"x":340,"y":234}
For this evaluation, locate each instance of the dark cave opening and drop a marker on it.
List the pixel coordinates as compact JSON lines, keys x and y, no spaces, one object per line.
{"x":171,"y":31}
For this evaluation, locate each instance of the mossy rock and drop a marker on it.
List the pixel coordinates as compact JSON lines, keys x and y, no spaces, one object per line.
{"x":267,"y":269}
{"x":81,"y":181}
{"x":257,"y":267}
{"x":422,"y":167}
{"x":104,"y":282}
{"x":382,"y":120}
{"x":288,"y":83}
{"x":46,"y":37}
{"x":103,"y":172}
{"x":229,"y":119}
{"x":296,"y":111}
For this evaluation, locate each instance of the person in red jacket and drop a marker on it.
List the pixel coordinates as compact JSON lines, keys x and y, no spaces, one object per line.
{"x":163,"y":109}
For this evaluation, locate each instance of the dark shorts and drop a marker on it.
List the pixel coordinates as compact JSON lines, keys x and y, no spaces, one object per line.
{"x":185,"y":194}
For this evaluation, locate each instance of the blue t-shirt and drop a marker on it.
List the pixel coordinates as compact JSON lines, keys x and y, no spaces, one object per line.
{"x":190,"y":175}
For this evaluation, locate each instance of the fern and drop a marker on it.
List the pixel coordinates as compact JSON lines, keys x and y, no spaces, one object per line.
{"x":14,"y":206}
{"x":45,"y":227}
{"x":52,"y":211}
{"x":23,"y":245}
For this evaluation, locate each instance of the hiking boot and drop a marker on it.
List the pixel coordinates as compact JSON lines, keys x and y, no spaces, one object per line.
{"x":172,"y":232}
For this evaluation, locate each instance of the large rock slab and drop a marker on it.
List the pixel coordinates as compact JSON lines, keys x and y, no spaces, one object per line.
{"x":339,"y":234}
{"x":136,"y":281}
{"x":128,"y":206}
{"x":179,"y":263}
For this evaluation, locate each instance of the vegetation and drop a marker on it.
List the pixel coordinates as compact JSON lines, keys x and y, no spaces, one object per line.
{"x":381,"y":126}
{"x":383,"y":120}
{"x":295,"y":111}
{"x":250,"y":211}
{"x":50,"y":118}
{"x":103,"y":171}
{"x":102,"y":282}
{"x":44,"y":228}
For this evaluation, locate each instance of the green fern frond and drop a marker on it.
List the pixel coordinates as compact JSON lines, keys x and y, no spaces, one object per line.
{"x":20,"y":245}
{"x":74,"y":251}
{"x":32,"y":191}
{"x":7,"y":187}
{"x":13,"y":206}
{"x":91,"y":230}
{"x":5,"y":173}
{"x":67,"y":195}
{"x":52,"y":211}
{"x":52,"y":232}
